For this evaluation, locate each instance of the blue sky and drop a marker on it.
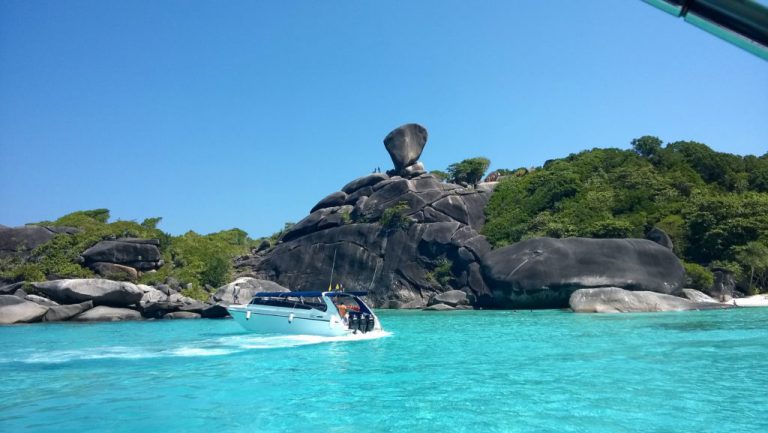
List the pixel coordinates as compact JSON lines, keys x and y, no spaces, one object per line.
{"x":244,"y":114}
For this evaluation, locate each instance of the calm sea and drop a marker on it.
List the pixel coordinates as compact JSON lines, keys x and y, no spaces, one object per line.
{"x":473,"y":371}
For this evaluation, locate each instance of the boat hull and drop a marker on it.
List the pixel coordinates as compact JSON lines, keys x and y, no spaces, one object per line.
{"x":279,"y":322}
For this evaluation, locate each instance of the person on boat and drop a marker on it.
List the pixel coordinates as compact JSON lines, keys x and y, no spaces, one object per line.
{"x":342,"y":310}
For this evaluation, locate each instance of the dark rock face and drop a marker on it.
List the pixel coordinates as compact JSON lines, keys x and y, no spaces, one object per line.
{"x":141,"y":254}
{"x":394,"y":265}
{"x":660,"y":237}
{"x":66,"y":312}
{"x":616,"y":300}
{"x":216,"y":311}
{"x":452,"y":298}
{"x":335,"y":199}
{"x":724,"y":285}
{"x":361,"y":182}
{"x":10,"y":289}
{"x":17,"y":310}
{"x":405,"y":144}
{"x":436,"y":230}
{"x":543,"y":272}
{"x":19,"y":241}
{"x":101,"y":292}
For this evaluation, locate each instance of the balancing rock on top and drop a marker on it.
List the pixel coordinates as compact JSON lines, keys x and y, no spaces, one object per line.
{"x":405,"y":144}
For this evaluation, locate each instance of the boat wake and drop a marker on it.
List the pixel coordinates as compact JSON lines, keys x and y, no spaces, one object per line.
{"x":209,"y":347}
{"x":255,"y":341}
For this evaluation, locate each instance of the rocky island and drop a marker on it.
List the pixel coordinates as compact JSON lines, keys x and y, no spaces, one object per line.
{"x":407,"y":236}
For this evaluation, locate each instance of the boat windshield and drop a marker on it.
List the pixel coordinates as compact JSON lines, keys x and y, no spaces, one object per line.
{"x":294,"y":302}
{"x":351,"y":303}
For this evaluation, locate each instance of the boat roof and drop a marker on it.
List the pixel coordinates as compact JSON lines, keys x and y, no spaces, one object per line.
{"x":306,"y":294}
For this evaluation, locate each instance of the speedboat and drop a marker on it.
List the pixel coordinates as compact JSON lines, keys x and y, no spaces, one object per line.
{"x":328,"y":314}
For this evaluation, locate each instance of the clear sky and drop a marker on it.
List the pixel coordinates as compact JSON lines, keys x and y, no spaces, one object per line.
{"x":221,"y":114}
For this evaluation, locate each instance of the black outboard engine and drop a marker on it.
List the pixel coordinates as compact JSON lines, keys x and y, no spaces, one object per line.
{"x":369,"y":322}
{"x":354,"y":322}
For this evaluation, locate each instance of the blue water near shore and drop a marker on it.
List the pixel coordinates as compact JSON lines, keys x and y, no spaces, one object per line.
{"x":472,"y":371}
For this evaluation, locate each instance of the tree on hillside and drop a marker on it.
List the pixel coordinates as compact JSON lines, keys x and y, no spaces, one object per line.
{"x":647,"y":146}
{"x":754,"y":255}
{"x":468,"y":171}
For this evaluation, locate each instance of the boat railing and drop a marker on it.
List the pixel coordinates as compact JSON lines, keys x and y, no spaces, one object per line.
{"x":300,"y":303}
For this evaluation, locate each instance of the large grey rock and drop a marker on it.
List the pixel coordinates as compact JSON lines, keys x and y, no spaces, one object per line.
{"x":724,"y":285}
{"x":141,"y":254}
{"x":405,"y":144}
{"x":452,"y":298}
{"x":215,"y":311}
{"x":393,"y":262}
{"x":17,"y":310}
{"x":439,"y":307}
{"x":65,"y":312}
{"x":19,"y":241}
{"x":157,"y":305}
{"x":543,"y":272}
{"x":242,"y":290}
{"x":45,"y":302}
{"x":414,"y":170}
{"x":101,"y":292}
{"x":697,"y":296}
{"x":334,"y":199}
{"x":151,"y":295}
{"x":660,"y":237}
{"x":107,"y":314}
{"x":361,"y":182}
{"x":616,"y":300}
{"x":318,"y":220}
{"x":113,"y":271}
{"x":10,"y":289}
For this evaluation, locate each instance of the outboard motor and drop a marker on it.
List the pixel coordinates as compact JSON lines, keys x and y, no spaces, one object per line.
{"x":354,"y":322}
{"x":369,"y":322}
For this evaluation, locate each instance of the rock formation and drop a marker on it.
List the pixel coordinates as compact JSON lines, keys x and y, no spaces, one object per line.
{"x":388,"y":234}
{"x":543,"y":272}
{"x":20,"y":241}
{"x":616,"y":300}
{"x":140,"y":254}
{"x":405,"y":145}
{"x":660,"y":237}
{"x":101,"y":292}
{"x":16,"y":310}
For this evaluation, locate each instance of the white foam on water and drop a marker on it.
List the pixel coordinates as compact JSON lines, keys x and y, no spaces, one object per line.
{"x":255,"y":341}
{"x":198,"y":351}
{"x":61,"y":356}
{"x":209,"y":347}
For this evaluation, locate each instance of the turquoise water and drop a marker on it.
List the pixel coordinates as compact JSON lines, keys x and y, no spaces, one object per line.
{"x":473,"y":371}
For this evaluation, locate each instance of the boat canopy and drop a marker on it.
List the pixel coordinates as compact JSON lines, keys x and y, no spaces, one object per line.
{"x":305,"y":294}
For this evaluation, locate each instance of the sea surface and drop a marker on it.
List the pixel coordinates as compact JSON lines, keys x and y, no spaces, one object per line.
{"x":469,"y":371}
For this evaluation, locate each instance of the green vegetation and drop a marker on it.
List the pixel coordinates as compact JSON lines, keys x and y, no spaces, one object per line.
{"x":713,"y":205}
{"x":442,"y":273}
{"x":698,"y":277}
{"x":395,"y":218}
{"x":469,"y":171}
{"x":193,"y":259}
{"x":439,"y":174}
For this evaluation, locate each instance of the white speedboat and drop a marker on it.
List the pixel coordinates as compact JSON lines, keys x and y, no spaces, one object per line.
{"x":313,"y":313}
